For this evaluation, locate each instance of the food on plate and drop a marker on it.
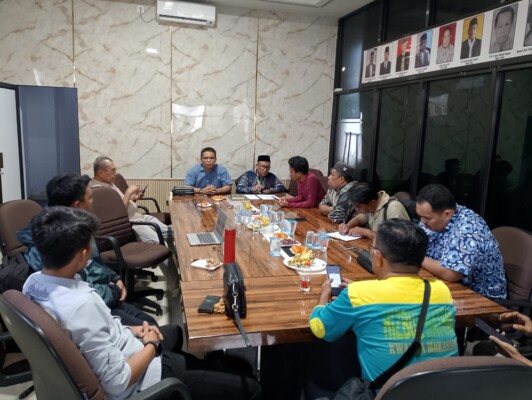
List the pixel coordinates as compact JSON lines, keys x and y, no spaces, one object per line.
{"x":217,"y":197}
{"x":297,"y":249}
{"x":247,"y":205}
{"x":261,"y":220}
{"x":211,"y":263}
{"x":303,"y":259}
{"x":280,"y":235}
{"x":289,"y":242}
{"x":204,"y":204}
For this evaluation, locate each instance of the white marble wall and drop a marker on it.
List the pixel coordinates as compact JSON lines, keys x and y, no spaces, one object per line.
{"x":257,"y":83}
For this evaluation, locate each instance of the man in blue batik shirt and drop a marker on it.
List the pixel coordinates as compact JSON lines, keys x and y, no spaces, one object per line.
{"x":461,"y":246}
{"x":261,"y":180}
{"x":208,"y":177}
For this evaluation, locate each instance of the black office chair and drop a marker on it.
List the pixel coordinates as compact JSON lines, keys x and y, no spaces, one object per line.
{"x":486,"y":378}
{"x":119,"y":247}
{"x":59,"y":369}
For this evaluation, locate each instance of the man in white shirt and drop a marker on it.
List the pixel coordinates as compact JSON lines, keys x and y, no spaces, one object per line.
{"x":125,"y":360}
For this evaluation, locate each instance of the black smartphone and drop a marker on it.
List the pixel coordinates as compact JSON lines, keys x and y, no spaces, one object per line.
{"x":207,"y":305}
{"x":144,"y":188}
{"x":333,"y":272}
{"x":491,"y":331}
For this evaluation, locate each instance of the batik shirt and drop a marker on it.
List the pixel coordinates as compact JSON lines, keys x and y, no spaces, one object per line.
{"x":466,"y":245}
{"x":384,"y":314}
{"x":343,"y":207}
{"x":249,"y":179}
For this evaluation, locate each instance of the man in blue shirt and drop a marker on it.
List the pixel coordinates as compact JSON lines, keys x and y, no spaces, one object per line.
{"x":383,"y":313}
{"x":209,"y":177}
{"x":261,"y":180}
{"x":461,"y":246}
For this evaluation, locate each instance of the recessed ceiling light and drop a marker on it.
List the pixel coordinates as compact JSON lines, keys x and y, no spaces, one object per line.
{"x":305,"y":3}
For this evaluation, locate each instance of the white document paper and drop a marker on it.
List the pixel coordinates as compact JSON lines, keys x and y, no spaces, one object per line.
{"x":251,"y":197}
{"x":268,"y":197}
{"x":345,"y":238}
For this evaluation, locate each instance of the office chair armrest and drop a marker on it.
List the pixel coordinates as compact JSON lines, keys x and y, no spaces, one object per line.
{"x":162,"y":389}
{"x":155,"y":226}
{"x":5,"y":336}
{"x":116,"y":248}
{"x":144,"y":208}
{"x":154,"y":201}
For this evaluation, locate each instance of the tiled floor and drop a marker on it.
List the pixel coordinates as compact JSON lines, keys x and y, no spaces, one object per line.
{"x":171,"y":314}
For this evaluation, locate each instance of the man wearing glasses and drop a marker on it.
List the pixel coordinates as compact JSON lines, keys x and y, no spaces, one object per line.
{"x":261,"y":180}
{"x":208,"y":177}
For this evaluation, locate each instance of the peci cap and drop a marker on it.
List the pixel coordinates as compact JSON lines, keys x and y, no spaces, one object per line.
{"x":344,"y":169}
{"x":264,"y":158}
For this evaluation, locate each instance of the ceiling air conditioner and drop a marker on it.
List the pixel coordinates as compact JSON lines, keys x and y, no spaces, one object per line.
{"x":186,"y":13}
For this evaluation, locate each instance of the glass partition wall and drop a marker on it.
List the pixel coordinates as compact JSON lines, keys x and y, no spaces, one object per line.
{"x":470,"y":130}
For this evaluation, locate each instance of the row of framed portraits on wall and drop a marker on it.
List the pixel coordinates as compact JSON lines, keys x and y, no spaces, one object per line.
{"x":505,"y":32}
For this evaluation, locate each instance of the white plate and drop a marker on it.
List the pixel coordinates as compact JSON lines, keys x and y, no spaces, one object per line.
{"x":317,"y":265}
{"x":204,"y":205}
{"x":202,"y":263}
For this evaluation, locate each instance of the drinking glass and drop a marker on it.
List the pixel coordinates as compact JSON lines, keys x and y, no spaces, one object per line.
{"x":309,"y":241}
{"x":265,"y":209}
{"x":324,"y":242}
{"x":304,"y":283}
{"x":275,"y":246}
{"x":286,"y":227}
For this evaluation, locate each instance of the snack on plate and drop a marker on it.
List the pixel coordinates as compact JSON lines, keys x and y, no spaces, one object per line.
{"x":247,"y":205}
{"x":289,"y":242}
{"x":217,"y":197}
{"x":219,"y":308}
{"x":211,"y":263}
{"x":261,"y":220}
{"x":297,"y":249}
{"x":204,"y":204}
{"x":280,"y":235}
{"x":303,"y":259}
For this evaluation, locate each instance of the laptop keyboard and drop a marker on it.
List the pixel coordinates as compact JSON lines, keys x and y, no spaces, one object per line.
{"x":206,"y":238}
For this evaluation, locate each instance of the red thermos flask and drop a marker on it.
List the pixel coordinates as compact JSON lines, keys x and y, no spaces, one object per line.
{"x":229,"y":246}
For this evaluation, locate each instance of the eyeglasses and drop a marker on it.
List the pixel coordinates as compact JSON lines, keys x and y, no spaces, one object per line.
{"x":112,"y":171}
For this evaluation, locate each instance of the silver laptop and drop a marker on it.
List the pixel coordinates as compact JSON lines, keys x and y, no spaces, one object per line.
{"x":205,"y":238}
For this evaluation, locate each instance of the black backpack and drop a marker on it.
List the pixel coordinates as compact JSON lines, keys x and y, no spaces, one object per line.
{"x":409,"y":205}
{"x":14,"y":271}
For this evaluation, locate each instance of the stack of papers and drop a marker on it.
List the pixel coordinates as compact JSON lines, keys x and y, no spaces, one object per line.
{"x":261,"y":197}
{"x":345,"y":238}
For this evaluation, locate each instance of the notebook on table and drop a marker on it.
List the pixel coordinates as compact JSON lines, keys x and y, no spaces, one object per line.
{"x":206,"y":238}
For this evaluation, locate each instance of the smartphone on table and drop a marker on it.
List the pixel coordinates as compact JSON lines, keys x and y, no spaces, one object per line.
{"x":207,"y":305}
{"x":333,"y":272}
{"x":491,"y":331}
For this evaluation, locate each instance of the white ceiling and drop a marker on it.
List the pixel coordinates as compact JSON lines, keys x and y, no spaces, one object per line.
{"x":333,"y":9}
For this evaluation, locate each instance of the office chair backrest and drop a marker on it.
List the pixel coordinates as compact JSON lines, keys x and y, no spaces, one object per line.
{"x":110,"y":209}
{"x":460,"y":378}
{"x":15,"y":215}
{"x":59,"y":369}
{"x":121,"y":183}
{"x":516,"y":249}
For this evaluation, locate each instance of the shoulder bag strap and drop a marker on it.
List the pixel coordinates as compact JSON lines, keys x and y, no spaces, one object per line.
{"x":234,"y":307}
{"x":414,"y":346}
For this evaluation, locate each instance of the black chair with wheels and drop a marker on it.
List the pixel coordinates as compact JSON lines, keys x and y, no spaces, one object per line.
{"x":119,"y":247}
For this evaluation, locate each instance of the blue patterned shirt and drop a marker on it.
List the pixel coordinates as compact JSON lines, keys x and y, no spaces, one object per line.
{"x":248,"y":179}
{"x":466,"y":245}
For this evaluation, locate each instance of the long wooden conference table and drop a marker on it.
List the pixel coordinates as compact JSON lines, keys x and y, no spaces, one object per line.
{"x":277,"y":311}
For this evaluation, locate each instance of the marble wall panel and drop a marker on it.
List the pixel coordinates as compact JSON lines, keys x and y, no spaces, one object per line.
{"x":294,"y":88}
{"x":213,"y":92}
{"x":36,"y":42}
{"x":123,"y":79}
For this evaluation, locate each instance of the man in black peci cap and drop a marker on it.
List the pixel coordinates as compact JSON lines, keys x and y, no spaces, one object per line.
{"x":261,"y":180}
{"x":337,"y":204}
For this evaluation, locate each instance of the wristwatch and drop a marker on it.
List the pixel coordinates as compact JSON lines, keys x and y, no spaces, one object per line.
{"x":158,"y":347}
